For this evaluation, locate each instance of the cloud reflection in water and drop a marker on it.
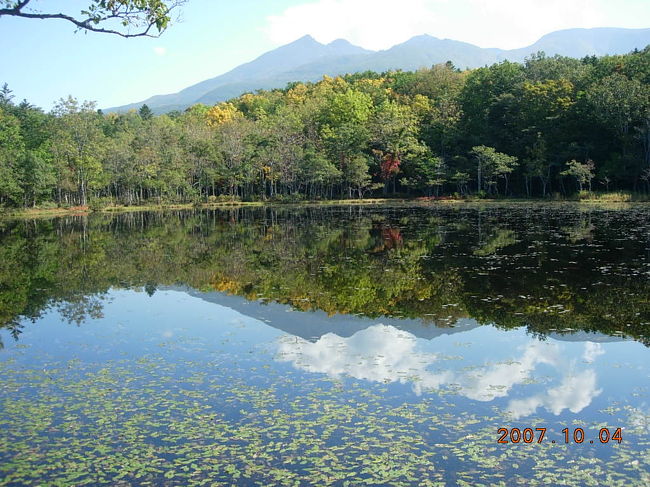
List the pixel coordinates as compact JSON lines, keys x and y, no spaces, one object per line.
{"x":383,"y":353}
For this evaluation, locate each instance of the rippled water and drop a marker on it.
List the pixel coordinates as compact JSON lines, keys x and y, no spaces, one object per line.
{"x":327,"y":346}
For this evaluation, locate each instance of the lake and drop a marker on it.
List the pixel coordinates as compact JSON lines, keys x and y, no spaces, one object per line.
{"x":336,"y":345}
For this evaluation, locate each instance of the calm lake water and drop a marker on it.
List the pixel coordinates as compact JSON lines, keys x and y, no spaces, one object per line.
{"x":327,"y":346}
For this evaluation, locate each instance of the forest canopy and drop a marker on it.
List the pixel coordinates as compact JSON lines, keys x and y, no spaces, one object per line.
{"x":550,"y":125}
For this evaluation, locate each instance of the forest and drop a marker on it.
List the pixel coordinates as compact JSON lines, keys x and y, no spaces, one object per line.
{"x":553,"y":126}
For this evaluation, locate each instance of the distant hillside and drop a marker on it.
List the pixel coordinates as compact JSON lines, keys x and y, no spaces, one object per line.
{"x":308,"y":60}
{"x":271,"y":70}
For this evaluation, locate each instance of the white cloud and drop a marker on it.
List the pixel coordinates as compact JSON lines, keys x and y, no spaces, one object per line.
{"x":382,"y":353}
{"x":497,"y":380}
{"x":374,"y":24}
{"x":575,"y":393}
{"x":508,"y":24}
{"x":592,"y":350}
{"x":159,"y":51}
{"x":379,"y":353}
{"x":639,"y":419}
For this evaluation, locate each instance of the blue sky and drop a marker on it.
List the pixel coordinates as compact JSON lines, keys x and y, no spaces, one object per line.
{"x":45,"y":60}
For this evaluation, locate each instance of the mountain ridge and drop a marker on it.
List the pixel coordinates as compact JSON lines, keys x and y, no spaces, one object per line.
{"x":306,"y":59}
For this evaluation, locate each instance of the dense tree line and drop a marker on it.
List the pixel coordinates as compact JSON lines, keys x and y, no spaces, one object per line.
{"x":550,"y":125}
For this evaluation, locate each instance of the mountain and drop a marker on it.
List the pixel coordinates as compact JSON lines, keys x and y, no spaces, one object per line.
{"x":270,"y":70}
{"x":578,"y":43}
{"x":288,"y":320}
{"x":308,"y":60}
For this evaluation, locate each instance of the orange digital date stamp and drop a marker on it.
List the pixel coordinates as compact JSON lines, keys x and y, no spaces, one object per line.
{"x":575,"y":435}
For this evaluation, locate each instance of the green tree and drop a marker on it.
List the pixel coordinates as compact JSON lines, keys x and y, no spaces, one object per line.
{"x":235,"y":166}
{"x":492,"y":165}
{"x":435,"y":96}
{"x":344,"y":130}
{"x":482,"y":97}
{"x":622,"y":105}
{"x":583,"y":172}
{"x":6,"y":96}
{"x":145,"y":112}
{"x":394,"y":130}
{"x":78,"y":148}
{"x":356,"y":173}
{"x":461,"y":179}
{"x":537,"y":165}
{"x":427,"y":173}
{"x":37,"y":177}
{"x":11,"y":151}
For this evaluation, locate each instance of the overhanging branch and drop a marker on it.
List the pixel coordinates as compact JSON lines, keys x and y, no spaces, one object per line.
{"x":144,"y":18}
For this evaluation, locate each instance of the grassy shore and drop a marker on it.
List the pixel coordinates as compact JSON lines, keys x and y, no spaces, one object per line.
{"x":38,"y":212}
{"x":596,"y":199}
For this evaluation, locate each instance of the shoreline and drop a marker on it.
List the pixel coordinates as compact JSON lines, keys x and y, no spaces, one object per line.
{"x":26,"y":213}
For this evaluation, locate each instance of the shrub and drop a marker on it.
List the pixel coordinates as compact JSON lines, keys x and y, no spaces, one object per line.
{"x":288,"y":198}
{"x":98,"y":204}
{"x":612,"y":197}
{"x":48,"y":205}
{"x":227,"y":198}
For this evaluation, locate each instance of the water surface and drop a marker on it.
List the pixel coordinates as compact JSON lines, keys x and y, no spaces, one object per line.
{"x":326,"y":346}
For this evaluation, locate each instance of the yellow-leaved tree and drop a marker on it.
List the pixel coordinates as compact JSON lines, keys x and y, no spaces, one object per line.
{"x":222,"y":113}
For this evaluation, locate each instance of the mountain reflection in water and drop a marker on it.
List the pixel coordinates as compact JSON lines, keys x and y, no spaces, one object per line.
{"x":553,"y":270}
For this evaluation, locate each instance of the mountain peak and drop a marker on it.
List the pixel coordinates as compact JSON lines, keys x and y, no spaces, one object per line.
{"x":305,"y":40}
{"x":343,"y":47}
{"x":339,"y":43}
{"x":306,"y":59}
{"x":421,"y":38}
